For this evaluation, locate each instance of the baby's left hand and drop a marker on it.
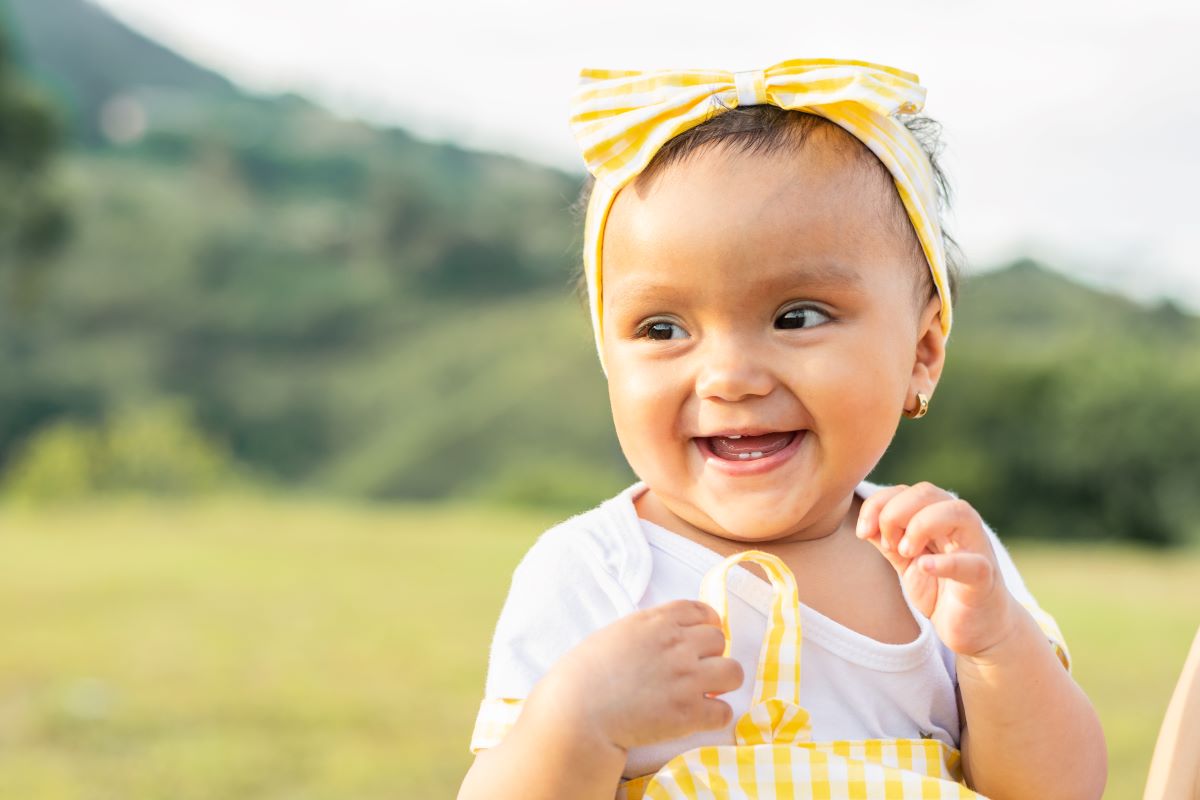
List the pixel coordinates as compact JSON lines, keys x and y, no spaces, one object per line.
{"x":939,"y":547}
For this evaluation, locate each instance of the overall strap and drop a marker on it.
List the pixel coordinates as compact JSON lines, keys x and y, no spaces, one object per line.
{"x":775,"y":714}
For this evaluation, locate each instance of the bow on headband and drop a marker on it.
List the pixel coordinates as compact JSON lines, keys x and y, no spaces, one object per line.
{"x":621,"y":118}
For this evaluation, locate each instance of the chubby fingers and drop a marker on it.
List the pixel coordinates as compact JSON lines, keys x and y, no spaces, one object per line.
{"x":868,"y":515}
{"x":696,"y":626}
{"x":974,"y":569}
{"x":896,"y":517}
{"x":887,"y":512}
{"x":690,"y":612}
{"x":944,"y":526}
{"x":720,"y":675}
{"x":705,"y":640}
{"x":701,"y":634}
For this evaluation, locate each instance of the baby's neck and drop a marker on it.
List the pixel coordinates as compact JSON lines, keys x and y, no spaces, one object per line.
{"x":840,"y":524}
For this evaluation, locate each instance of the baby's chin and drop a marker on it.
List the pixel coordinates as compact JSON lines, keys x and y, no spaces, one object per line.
{"x":761,"y":532}
{"x":751,"y":521}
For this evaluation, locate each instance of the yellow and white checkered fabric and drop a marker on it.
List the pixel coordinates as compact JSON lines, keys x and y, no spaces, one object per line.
{"x":773,"y":755}
{"x":621,"y":118}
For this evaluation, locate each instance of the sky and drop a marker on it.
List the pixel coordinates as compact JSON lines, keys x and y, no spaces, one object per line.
{"x":1069,"y":127}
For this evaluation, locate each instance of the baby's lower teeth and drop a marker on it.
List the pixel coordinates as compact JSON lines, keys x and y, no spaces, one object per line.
{"x":755,"y":454}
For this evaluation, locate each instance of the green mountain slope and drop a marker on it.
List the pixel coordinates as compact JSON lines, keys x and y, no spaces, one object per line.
{"x":1042,"y":308}
{"x":354,"y":310}
{"x":87,"y":58}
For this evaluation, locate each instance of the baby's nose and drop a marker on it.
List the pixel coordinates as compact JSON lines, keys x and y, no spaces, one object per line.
{"x":732,"y":372}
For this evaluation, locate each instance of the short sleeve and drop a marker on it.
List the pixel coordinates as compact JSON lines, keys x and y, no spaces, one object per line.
{"x":1016,"y":587}
{"x":562,"y":590}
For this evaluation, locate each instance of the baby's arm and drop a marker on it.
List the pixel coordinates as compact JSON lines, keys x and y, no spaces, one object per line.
{"x":644,"y":678}
{"x":1029,"y":730}
{"x":544,"y":758}
{"x":589,"y":675}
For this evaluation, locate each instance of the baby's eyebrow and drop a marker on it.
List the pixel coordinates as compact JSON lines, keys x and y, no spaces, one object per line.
{"x":831,"y":276}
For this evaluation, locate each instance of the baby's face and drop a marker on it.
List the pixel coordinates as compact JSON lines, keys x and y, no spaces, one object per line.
{"x":749,"y":294}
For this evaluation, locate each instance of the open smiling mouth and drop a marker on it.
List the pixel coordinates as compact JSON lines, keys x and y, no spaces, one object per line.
{"x":749,"y":454}
{"x":745,"y":448}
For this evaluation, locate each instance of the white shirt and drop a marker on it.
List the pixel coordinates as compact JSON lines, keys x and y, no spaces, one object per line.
{"x":607,"y":562}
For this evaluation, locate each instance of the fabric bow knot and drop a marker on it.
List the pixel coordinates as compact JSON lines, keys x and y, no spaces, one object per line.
{"x":621,"y":118}
{"x":773,"y":721}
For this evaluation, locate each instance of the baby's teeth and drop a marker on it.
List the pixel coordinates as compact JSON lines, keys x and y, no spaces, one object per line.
{"x":756,"y":454}
{"x":734,"y":437}
{"x":743,"y":456}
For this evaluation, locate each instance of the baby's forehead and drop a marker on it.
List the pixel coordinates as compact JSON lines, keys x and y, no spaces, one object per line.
{"x":801,"y":216}
{"x":808,"y":196}
{"x":806,"y":137}
{"x":736,"y":183}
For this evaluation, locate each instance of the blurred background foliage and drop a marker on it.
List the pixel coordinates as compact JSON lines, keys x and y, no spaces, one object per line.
{"x":297,"y":300}
{"x":284,"y":318}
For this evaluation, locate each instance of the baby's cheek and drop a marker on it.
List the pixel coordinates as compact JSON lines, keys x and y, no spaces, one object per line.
{"x":840,"y":386}
{"x":646,"y":417}
{"x":860,"y":406}
{"x":642,"y":386}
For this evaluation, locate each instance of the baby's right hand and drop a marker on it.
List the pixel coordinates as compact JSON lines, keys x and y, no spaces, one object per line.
{"x":646,"y":677}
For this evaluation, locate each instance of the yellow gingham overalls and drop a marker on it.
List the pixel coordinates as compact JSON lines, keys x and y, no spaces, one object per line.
{"x":773,"y":755}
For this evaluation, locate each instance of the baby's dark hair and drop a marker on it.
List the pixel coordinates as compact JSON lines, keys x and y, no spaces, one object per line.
{"x":766,"y":129}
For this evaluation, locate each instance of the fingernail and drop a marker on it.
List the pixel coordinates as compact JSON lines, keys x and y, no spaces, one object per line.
{"x":905,"y":548}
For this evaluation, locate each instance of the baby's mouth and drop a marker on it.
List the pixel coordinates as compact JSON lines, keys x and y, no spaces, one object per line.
{"x":749,"y":448}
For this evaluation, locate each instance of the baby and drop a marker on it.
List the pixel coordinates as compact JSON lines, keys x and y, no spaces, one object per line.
{"x":774,"y":296}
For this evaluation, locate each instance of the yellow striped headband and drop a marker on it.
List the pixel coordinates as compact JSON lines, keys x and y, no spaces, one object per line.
{"x":621,"y":118}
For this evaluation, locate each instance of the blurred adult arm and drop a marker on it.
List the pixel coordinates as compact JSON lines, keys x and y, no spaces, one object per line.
{"x":1175,"y":767}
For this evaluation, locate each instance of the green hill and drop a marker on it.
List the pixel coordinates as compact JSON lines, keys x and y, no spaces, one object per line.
{"x":86,"y":59}
{"x":347,"y":309}
{"x":1042,"y":307}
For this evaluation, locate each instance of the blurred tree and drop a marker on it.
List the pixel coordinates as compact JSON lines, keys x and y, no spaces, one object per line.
{"x":470,"y":267}
{"x":1063,"y":413}
{"x":33,"y":218}
{"x":153,"y":449}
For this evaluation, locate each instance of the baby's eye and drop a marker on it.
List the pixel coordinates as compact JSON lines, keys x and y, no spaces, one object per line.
{"x":661,"y":330}
{"x":802,"y":317}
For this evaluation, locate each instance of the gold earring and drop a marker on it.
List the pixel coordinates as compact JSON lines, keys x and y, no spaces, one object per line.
{"x":922,"y":407}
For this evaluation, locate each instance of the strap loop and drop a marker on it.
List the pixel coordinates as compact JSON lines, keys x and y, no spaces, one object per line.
{"x":775,"y":714}
{"x":751,"y":87}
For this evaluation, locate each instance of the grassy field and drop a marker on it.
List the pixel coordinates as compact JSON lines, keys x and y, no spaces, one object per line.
{"x":301,"y":650}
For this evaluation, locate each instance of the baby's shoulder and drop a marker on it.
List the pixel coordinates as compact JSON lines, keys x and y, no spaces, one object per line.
{"x":603,"y":545}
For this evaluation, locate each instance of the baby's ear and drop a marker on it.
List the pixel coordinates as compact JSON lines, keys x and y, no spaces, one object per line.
{"x":930,"y":355}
